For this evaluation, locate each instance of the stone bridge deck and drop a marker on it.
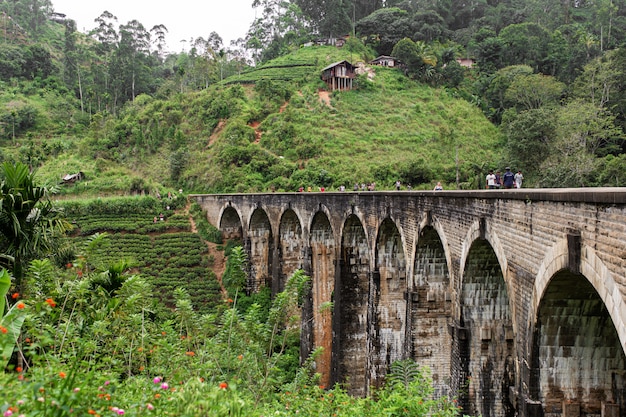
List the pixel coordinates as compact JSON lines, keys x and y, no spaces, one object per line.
{"x":515,"y":299}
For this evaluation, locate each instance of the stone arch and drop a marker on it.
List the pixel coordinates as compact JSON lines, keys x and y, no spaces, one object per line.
{"x":473,"y":234}
{"x":436,"y":224}
{"x":577,"y":356}
{"x":486,"y":344}
{"x":595,"y":271}
{"x":230,"y":224}
{"x":290,"y":248}
{"x":390,"y":286}
{"x":430,"y":306}
{"x":352,"y":296}
{"x":323,"y":260}
{"x":260,"y":245}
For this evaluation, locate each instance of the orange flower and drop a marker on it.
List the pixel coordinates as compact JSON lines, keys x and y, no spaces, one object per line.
{"x":190,"y":353}
{"x":51,"y":302}
{"x":92,"y":412}
{"x":240,"y":357}
{"x":157,"y":396}
{"x":3,"y":330}
{"x":15,"y":295}
{"x":20,"y":305}
{"x":62,"y":374}
{"x":223,"y":385}
{"x":18,"y":369}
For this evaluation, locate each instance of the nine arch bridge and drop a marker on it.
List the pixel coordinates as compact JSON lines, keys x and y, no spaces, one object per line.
{"x":514,"y":299}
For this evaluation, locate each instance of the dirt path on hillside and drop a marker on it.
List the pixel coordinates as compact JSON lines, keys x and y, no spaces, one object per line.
{"x":255,"y":124}
{"x":257,"y":132}
{"x":216,"y":131}
{"x":324,"y":97}
{"x":219,"y":260}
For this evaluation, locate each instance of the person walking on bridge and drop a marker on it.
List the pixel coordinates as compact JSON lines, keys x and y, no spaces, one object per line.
{"x":508,"y":179}
{"x":518,"y":179}
{"x":491,"y":180}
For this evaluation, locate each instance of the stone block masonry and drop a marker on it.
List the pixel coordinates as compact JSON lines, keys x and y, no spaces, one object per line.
{"x":515,"y":299}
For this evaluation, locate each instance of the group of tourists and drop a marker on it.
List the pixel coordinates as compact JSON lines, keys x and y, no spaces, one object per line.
{"x":495,"y":180}
{"x":507,"y":180}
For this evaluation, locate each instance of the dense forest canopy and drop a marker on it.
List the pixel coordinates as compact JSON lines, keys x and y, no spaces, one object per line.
{"x":548,"y":74}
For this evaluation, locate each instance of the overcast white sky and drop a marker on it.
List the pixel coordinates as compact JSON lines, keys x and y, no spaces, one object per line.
{"x":184,"y":19}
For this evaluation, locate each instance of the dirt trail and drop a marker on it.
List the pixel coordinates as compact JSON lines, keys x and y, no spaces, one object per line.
{"x":216,"y":131}
{"x":324,"y":97}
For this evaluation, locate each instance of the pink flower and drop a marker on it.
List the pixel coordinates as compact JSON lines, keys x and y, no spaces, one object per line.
{"x":120,"y":412}
{"x":164,"y":385}
{"x":8,"y":413}
{"x":149,"y":406}
{"x":156,"y":379}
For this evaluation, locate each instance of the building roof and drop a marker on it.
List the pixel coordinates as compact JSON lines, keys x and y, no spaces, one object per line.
{"x":336,"y":64}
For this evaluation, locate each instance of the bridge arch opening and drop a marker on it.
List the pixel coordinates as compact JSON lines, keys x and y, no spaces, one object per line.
{"x":230,"y":225}
{"x":431,"y":306}
{"x":323,"y":260}
{"x":578,"y":365}
{"x":486,"y":344}
{"x":390,"y":286}
{"x":352,"y":297}
{"x":290,"y":248}
{"x":260,"y":245}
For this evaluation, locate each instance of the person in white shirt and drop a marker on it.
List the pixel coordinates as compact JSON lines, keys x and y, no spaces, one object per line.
{"x":518,"y":179}
{"x":491,"y":180}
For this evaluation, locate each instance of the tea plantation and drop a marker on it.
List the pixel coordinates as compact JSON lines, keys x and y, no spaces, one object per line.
{"x":162,"y":249}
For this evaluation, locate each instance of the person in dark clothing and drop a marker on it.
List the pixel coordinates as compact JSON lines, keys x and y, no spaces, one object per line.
{"x":508,"y":179}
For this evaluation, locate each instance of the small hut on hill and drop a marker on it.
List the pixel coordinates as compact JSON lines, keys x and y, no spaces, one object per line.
{"x":339,"y":76}
{"x":386,"y":61}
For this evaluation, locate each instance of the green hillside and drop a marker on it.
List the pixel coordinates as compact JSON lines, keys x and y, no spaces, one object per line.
{"x":275,"y":128}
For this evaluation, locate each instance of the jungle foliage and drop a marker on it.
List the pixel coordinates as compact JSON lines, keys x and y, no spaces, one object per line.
{"x":254,"y":116}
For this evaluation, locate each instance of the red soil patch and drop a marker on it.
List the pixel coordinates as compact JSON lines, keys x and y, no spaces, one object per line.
{"x":216,"y":131}
{"x":324,"y":97}
{"x":257,"y":132}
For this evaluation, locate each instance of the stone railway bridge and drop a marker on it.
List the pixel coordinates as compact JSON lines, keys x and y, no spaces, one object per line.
{"x":516,"y":300}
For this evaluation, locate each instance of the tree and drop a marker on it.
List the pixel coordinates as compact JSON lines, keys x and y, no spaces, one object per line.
{"x":418,"y":57}
{"x":534,"y":91}
{"x":488,"y":51}
{"x":590,"y":127}
{"x":133,"y":46}
{"x":529,"y":135}
{"x":107,"y":38}
{"x":29,"y":223}
{"x":386,"y":27}
{"x":496,"y":86}
{"x":331,"y":18}
{"x":157,"y":33}
{"x":525,"y":43}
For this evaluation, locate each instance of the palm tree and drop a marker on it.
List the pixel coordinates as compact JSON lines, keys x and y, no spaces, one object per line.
{"x":29,"y":223}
